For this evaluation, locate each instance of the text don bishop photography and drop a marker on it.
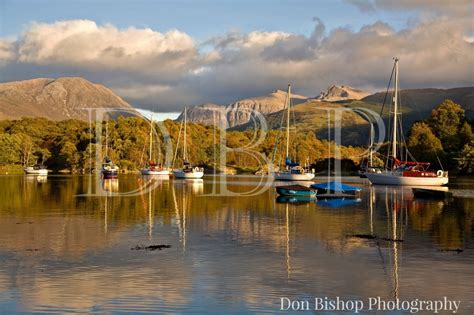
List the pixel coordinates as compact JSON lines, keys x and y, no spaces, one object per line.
{"x":370,"y":304}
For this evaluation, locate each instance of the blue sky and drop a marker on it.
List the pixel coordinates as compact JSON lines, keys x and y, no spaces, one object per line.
{"x":162,"y":55}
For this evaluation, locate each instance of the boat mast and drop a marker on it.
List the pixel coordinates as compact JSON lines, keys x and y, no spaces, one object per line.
{"x":151,"y":140}
{"x":371,"y":144}
{"x":106,"y":133}
{"x":184,"y":138}
{"x":288,"y":97}
{"x":395,"y":112}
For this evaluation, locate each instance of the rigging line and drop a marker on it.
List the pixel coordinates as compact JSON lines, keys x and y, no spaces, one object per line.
{"x":388,"y":88}
{"x":143,"y":153}
{"x":177,"y":144}
{"x":281,"y":127}
{"x":290,"y":102}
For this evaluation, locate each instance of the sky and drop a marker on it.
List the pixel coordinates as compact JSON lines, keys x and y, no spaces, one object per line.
{"x":162,"y":55}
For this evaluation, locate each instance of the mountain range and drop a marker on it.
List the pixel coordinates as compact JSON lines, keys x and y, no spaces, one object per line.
{"x":311,"y":114}
{"x":67,"y":98}
{"x":240,"y":112}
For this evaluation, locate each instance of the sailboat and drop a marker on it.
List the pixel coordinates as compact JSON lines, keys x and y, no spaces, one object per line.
{"x":153,"y":168}
{"x":37,"y":169}
{"x":293,"y":170}
{"x":411,"y":173}
{"x":367,"y":165}
{"x":109,"y":169}
{"x":187,"y":171}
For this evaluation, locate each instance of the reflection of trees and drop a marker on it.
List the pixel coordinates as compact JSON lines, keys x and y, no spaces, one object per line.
{"x":449,"y":223}
{"x":454,"y":225}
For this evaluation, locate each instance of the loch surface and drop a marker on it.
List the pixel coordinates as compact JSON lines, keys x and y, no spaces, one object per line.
{"x":61,"y":251}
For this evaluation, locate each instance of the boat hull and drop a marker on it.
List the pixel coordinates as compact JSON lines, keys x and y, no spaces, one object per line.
{"x":307,"y":193}
{"x":40,"y":172}
{"x":398,"y":180}
{"x":188,"y":175}
{"x":149,"y":172}
{"x":294,"y":177}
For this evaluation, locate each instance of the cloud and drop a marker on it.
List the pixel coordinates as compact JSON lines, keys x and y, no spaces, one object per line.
{"x":82,"y":43}
{"x":463,"y":7}
{"x":166,"y":70}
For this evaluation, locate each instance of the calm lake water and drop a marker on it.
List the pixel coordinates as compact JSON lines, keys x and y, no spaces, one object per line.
{"x":229,"y":254}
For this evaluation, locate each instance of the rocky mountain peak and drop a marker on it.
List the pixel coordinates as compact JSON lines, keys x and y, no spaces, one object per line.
{"x":336,"y":93}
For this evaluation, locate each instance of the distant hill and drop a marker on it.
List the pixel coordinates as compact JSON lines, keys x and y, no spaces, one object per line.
{"x":312,"y":116}
{"x":202,"y":114}
{"x":336,"y":93}
{"x":416,"y":105}
{"x":240,"y":112}
{"x":424,"y":100}
{"x":56,"y":99}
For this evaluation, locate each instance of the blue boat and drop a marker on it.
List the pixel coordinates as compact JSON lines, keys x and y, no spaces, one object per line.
{"x":296,"y":190}
{"x":335,"y":188}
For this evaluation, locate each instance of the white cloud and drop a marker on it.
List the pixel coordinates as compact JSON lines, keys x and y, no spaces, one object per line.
{"x":7,"y":50}
{"x":84,"y":43}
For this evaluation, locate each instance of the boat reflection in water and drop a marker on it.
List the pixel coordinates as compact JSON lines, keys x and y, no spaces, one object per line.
{"x":110,"y":184}
{"x":296,"y":200}
{"x":195,"y":186}
{"x":338,"y":202}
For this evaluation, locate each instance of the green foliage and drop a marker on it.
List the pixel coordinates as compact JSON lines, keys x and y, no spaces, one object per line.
{"x":446,"y":120}
{"x":11,"y":149}
{"x":423,"y":143}
{"x":447,"y":136}
{"x":466,"y":159}
{"x":72,"y":145}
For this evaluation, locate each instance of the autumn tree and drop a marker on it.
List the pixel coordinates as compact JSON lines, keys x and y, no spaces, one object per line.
{"x":446,"y":121}
{"x":423,"y":143}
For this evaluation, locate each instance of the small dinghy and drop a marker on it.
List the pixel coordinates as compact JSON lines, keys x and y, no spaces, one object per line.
{"x":431,"y":193}
{"x":336,"y":190}
{"x":296,"y":190}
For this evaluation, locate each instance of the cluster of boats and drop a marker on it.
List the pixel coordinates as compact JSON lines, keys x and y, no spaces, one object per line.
{"x":110,"y":171}
{"x":329,"y":193}
{"x":395,"y":171}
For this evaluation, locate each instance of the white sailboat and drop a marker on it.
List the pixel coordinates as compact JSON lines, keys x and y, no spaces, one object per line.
{"x":293,"y":171}
{"x":37,"y":169}
{"x":411,"y":173}
{"x":153,"y":168}
{"x":109,"y":170}
{"x":187,"y":171}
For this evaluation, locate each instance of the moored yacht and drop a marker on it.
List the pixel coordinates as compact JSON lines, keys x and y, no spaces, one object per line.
{"x":398,"y":172}
{"x":109,"y":169}
{"x":154,"y":168}
{"x":36,"y":169}
{"x":187,"y":171}
{"x":293,"y":171}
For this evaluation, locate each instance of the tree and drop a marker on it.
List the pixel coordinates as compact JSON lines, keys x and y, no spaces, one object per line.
{"x":70,"y":155}
{"x":423,"y":143}
{"x":446,"y":121}
{"x":13,"y":148}
{"x":466,"y":160}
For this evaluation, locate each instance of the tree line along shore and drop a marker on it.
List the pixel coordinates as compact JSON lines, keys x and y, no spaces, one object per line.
{"x":444,"y":137}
